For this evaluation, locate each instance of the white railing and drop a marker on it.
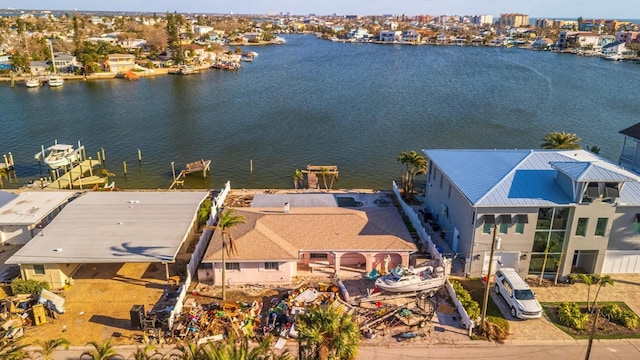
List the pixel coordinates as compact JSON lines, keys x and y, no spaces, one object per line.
{"x":466,"y":321}
{"x":424,"y":237}
{"x":417,"y":224}
{"x":199,"y":251}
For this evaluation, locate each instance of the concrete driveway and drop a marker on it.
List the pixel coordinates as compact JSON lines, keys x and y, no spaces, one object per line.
{"x":625,"y":288}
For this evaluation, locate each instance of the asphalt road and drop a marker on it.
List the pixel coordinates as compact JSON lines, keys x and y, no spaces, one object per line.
{"x":608,"y":349}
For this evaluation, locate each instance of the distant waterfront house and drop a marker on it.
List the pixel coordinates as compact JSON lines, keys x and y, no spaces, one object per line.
{"x":23,"y":215}
{"x":65,"y":62}
{"x":571,"y":207}
{"x":119,"y":63}
{"x":387,"y":36}
{"x":628,"y":37}
{"x":310,"y":231}
{"x":410,"y":36}
{"x":442,"y":39}
{"x":110,"y":228}
{"x":37,"y":68}
{"x":615,"y":48}
{"x":251,"y":37}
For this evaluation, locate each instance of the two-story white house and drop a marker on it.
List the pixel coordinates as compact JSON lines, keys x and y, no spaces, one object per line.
{"x":566,"y":211}
{"x":410,"y":36}
{"x":390,"y":36}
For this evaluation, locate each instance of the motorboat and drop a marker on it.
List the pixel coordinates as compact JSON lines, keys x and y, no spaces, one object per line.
{"x":614,"y":57}
{"x":55,"y":80}
{"x":59,"y":155}
{"x":403,"y":279}
{"x":32,"y":82}
{"x":187,"y":70}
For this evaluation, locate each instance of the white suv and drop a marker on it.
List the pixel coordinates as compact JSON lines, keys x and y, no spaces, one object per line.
{"x":518,"y":295}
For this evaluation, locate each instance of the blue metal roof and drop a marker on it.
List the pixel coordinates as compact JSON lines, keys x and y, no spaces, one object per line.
{"x":586,"y":171}
{"x":527,"y":177}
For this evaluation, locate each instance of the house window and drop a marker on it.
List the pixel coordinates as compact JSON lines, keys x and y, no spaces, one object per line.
{"x":318,"y":256}
{"x":601,"y":226}
{"x":38,"y":269}
{"x":581,"y":229}
{"x":232,"y":266}
{"x":271,"y":266}
{"x":636,"y":228}
{"x":519,"y":228}
{"x":503,"y":228}
{"x":486,"y":228}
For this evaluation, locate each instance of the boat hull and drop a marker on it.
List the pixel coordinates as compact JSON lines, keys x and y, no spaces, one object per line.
{"x":405,"y":280}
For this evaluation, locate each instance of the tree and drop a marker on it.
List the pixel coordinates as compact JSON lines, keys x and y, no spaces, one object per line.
{"x":226,"y":223}
{"x":560,"y":140}
{"x":298,"y":177}
{"x":3,"y":175}
{"x":240,"y":350}
{"x":587,"y":279}
{"x":594,"y":149}
{"x":104,"y":351}
{"x":602,"y":281}
{"x":324,"y":172}
{"x":49,"y":346}
{"x":416,"y":164}
{"x":147,"y":353}
{"x":326,"y":333}
{"x":12,"y":350}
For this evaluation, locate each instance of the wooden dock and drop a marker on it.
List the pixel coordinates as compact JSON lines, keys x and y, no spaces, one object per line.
{"x":203,"y":166}
{"x":75,"y":177}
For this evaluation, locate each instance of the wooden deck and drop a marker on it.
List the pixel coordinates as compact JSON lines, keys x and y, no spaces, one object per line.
{"x":74,"y":177}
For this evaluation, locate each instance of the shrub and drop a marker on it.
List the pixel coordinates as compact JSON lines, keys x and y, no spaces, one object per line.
{"x":470,"y":306}
{"x":569,"y":315}
{"x":204,"y":212}
{"x":618,"y":315}
{"x":19,"y":286}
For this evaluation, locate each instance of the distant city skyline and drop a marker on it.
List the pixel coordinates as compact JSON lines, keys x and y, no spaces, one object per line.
{"x":612,"y":9}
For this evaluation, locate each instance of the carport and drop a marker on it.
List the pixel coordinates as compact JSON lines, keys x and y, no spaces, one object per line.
{"x":110,"y":228}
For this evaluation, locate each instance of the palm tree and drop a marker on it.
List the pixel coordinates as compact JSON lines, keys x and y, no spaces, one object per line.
{"x":226,"y":222}
{"x":3,"y":174}
{"x":324,"y":172}
{"x":12,"y":350}
{"x":298,"y":177}
{"x":49,"y":346}
{"x":104,"y":351}
{"x":145,"y":353}
{"x":234,"y":350}
{"x":560,"y":140}
{"x":416,"y":164}
{"x":587,"y":279}
{"x":602,"y":281}
{"x":325,"y":333}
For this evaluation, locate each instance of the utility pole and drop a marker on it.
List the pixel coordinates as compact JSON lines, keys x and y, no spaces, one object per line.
{"x":483,"y":317}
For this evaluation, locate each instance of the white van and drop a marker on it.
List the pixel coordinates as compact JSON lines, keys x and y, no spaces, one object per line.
{"x":518,"y":295}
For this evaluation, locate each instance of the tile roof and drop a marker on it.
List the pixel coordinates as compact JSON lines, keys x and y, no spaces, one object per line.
{"x":271,"y":234}
{"x":632,"y":131}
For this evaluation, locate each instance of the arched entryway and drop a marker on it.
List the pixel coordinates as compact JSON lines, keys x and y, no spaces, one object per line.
{"x":353,"y":262}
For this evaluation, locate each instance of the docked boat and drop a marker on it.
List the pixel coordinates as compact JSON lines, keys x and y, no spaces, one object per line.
{"x":55,"y":80}
{"x":186,"y":70}
{"x":32,"y":82}
{"x":59,"y":155}
{"x":614,"y":57}
{"x":402,"y":279}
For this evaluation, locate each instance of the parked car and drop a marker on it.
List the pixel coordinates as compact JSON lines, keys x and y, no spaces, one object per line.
{"x":518,"y":295}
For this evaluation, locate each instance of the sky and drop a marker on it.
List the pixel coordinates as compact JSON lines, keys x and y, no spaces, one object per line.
{"x":610,"y":9}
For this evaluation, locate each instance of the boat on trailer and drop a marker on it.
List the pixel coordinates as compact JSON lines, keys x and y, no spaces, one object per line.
{"x":403,"y":279}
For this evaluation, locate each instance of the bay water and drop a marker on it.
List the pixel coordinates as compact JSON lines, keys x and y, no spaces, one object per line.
{"x":317,"y":102}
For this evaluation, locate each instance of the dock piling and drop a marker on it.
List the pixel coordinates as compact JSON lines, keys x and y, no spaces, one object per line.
{"x":124,"y":168}
{"x":139,"y":156}
{"x":104,"y":158}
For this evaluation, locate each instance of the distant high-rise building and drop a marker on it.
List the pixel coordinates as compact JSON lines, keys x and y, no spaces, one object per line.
{"x":482,"y":19}
{"x":515,"y":20}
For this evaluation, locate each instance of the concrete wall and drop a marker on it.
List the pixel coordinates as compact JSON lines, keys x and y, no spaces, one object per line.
{"x":13,"y":234}
{"x":57,"y":275}
{"x":250,"y":273}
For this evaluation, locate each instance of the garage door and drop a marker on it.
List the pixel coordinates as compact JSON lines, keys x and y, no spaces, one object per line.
{"x":621,"y":262}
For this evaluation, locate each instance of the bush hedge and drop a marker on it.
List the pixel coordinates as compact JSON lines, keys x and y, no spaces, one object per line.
{"x":569,"y":315}
{"x":470,"y":306}
{"x":624,"y":317}
{"x":19,"y":286}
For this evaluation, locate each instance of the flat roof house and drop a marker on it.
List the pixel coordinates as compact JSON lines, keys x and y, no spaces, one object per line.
{"x":110,"y":227}
{"x":311,"y":230}
{"x":23,"y":215}
{"x":565,"y":210}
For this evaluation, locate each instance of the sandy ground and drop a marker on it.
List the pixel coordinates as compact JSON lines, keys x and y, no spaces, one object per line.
{"x":97,"y":306}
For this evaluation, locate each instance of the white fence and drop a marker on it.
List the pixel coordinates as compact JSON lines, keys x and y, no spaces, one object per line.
{"x":424,"y":237}
{"x":203,"y":243}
